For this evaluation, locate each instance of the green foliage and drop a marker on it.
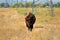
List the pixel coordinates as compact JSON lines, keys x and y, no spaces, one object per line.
{"x":4,"y":5}
{"x":29,"y":4}
{"x":21,"y":5}
{"x":57,"y":5}
{"x":14,"y":5}
{"x":45,"y":5}
{"x":38,"y":5}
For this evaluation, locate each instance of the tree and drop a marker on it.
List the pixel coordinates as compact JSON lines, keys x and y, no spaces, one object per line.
{"x":3,"y":5}
{"x":56,"y":5}
{"x":29,"y":4}
{"x":14,"y":5}
{"x":21,"y":4}
{"x":38,"y":5}
{"x":45,"y":5}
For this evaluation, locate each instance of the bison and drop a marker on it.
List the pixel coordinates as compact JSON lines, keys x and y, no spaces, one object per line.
{"x":30,"y":20}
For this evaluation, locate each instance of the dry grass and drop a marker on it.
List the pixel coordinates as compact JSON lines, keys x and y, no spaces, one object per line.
{"x":12,"y":26}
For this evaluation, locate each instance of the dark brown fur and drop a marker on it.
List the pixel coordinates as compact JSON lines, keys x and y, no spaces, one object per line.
{"x":30,"y":20}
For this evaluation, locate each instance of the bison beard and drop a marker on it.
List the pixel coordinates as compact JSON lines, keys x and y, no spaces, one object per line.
{"x":30,"y":20}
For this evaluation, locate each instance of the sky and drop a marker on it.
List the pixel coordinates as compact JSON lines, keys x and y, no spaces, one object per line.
{"x":40,"y":1}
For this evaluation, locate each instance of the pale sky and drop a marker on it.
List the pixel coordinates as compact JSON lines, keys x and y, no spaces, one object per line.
{"x":41,"y":1}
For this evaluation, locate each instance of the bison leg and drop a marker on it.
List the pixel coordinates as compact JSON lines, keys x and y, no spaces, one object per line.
{"x":30,"y":28}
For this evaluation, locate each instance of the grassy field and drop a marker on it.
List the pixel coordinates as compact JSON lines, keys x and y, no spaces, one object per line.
{"x":12,"y":24}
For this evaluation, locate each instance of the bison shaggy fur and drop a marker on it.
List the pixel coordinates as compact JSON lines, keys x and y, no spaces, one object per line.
{"x":30,"y":20}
